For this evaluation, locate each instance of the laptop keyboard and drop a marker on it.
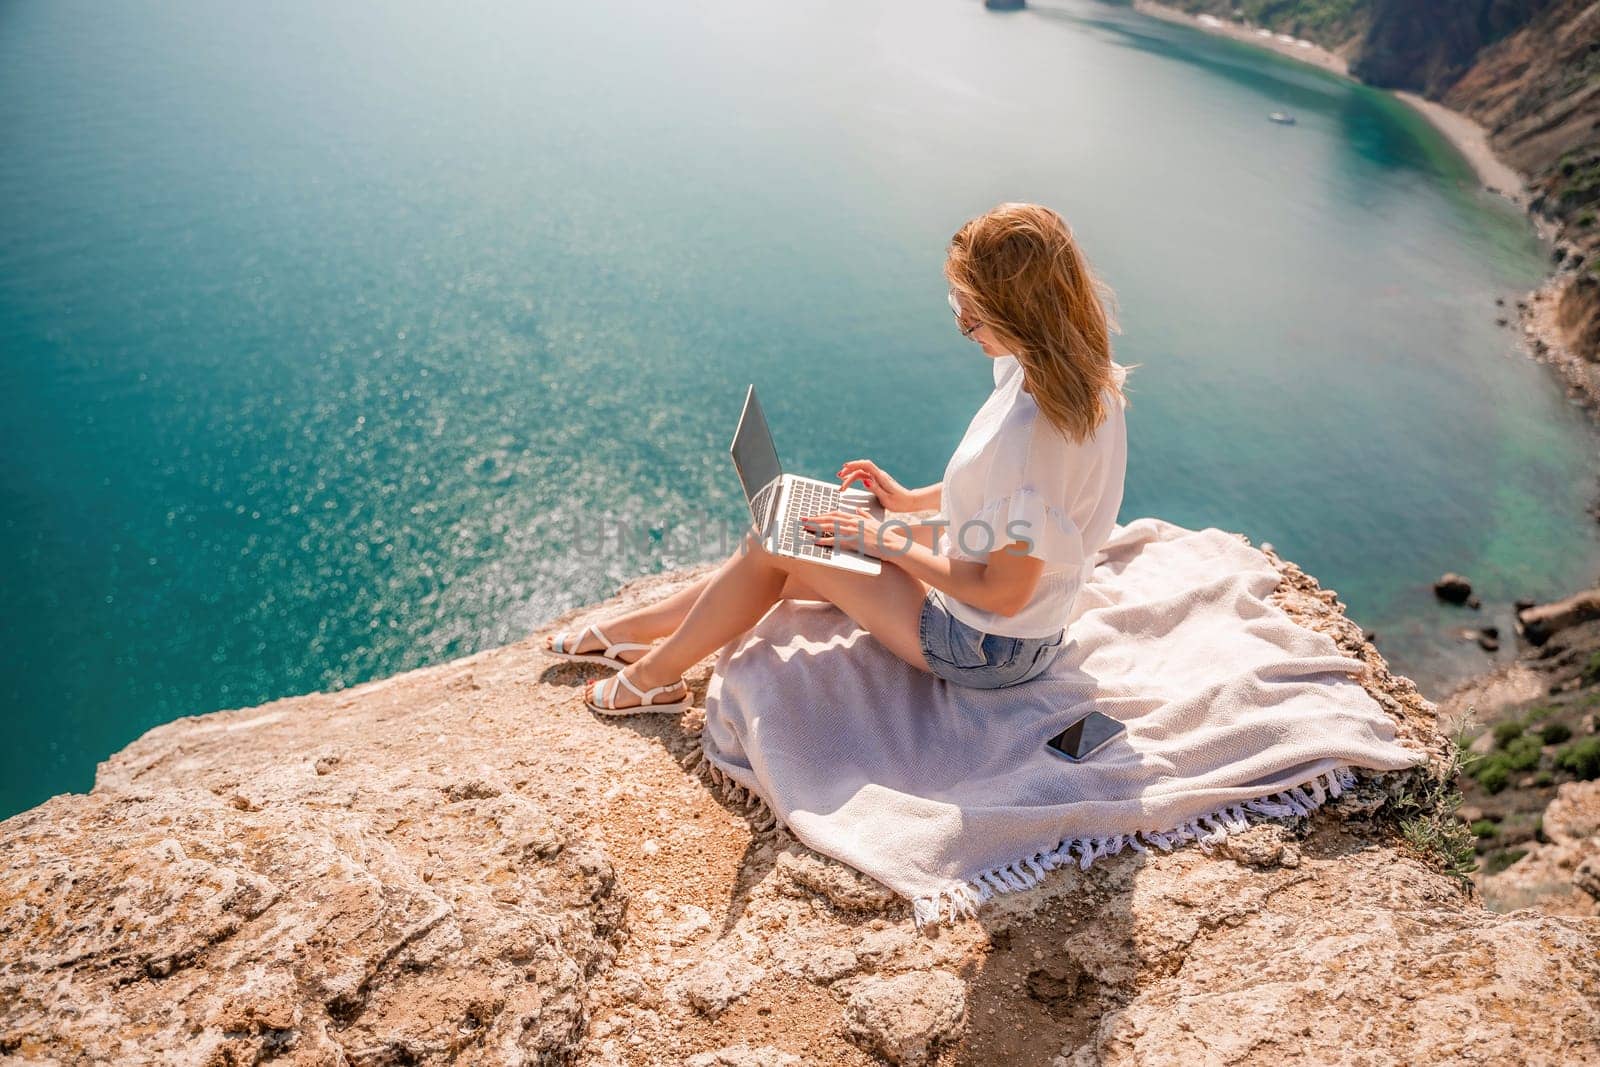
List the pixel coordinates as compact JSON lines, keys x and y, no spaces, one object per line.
{"x":806,"y":498}
{"x":758,"y":506}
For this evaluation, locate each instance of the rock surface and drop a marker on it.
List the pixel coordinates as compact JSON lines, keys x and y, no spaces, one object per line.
{"x":1541,"y":621}
{"x":1562,"y":874}
{"x":461,"y":864}
{"x":906,"y":1017}
{"x":1532,"y":718}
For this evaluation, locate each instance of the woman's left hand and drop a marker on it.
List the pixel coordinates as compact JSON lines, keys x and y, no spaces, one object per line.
{"x":858,"y":531}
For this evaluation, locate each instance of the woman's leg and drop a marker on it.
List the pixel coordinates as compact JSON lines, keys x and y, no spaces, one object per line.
{"x":652,"y":621}
{"x":742,"y":590}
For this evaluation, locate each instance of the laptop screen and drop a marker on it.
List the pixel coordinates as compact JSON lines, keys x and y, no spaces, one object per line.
{"x":754,"y":455}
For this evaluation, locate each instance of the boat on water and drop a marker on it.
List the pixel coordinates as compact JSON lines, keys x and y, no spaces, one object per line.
{"x":1282,"y":118}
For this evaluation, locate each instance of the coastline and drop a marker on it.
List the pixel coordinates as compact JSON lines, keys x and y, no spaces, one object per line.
{"x":1538,"y":315}
{"x":1472,"y":141}
{"x":1464,"y":133}
{"x":1537,"y":312}
{"x":1310,"y":52}
{"x":1539,"y":333}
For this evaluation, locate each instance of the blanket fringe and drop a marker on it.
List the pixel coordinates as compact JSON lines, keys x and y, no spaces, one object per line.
{"x":962,"y":899}
{"x":755,"y":809}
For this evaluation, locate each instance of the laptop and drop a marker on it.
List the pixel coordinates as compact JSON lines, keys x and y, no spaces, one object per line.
{"x":778,"y":501}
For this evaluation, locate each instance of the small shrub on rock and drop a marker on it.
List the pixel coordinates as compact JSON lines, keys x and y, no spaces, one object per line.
{"x":1523,"y":753}
{"x":1494,"y":773}
{"x":1581,"y":759}
{"x":1554,"y":733}
{"x":1507,"y":732}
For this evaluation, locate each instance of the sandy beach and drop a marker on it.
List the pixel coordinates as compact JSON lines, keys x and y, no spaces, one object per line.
{"x":1472,"y":140}
{"x":1306,"y":52}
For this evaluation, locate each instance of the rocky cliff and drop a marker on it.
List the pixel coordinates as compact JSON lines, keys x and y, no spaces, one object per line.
{"x":1532,"y":781}
{"x":1537,"y":91}
{"x":461,"y":864}
{"x":1529,"y":72}
{"x":1429,"y":46}
{"x":1560,"y":873}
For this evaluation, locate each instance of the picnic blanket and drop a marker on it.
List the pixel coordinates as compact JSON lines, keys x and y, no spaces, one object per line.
{"x":946,"y":794}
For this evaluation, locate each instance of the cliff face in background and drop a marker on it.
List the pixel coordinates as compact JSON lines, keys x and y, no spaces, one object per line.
{"x":1529,"y":72}
{"x":1538,"y":92}
{"x":463,"y":865}
{"x":1428,"y":46}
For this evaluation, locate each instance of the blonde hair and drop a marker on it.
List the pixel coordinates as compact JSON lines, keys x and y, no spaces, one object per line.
{"x":1018,"y":271}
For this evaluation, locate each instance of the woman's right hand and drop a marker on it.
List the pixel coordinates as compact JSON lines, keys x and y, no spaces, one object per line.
{"x":890,"y":493}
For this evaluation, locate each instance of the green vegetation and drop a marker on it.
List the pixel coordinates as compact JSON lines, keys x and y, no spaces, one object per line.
{"x":1591,"y":670}
{"x":1507,"y":732}
{"x":1582,"y":186}
{"x":1449,"y":841}
{"x":1515,"y":751}
{"x":1493,"y":775}
{"x":1581,"y":758}
{"x":1500,"y":860}
{"x":1484,"y":828}
{"x":1523,"y":753}
{"x":1426,"y":814}
{"x":1555,"y":733}
{"x":1575,"y":193}
{"x":1327,"y":22}
{"x":1519,"y":744}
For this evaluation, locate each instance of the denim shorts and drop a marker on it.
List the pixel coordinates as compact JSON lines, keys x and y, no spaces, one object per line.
{"x":967,"y":656}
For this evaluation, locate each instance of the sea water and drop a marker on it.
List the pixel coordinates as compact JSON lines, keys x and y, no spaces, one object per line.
{"x":340,"y":339}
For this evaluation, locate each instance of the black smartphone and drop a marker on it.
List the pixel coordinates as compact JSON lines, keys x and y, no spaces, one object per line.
{"x":1085,"y":737}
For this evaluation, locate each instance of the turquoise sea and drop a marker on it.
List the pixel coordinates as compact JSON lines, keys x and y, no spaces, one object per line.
{"x":339,"y":339}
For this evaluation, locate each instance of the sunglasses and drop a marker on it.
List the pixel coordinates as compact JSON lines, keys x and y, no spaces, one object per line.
{"x":955,"y":305}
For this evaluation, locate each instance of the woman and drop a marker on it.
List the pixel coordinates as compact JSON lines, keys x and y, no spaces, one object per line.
{"x":979,"y":595}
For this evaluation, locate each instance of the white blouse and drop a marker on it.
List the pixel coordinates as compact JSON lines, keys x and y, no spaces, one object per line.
{"x":1014,"y":477}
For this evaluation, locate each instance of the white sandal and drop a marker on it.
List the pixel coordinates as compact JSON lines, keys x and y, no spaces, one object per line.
{"x":608,"y":705}
{"x":559,"y":647}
